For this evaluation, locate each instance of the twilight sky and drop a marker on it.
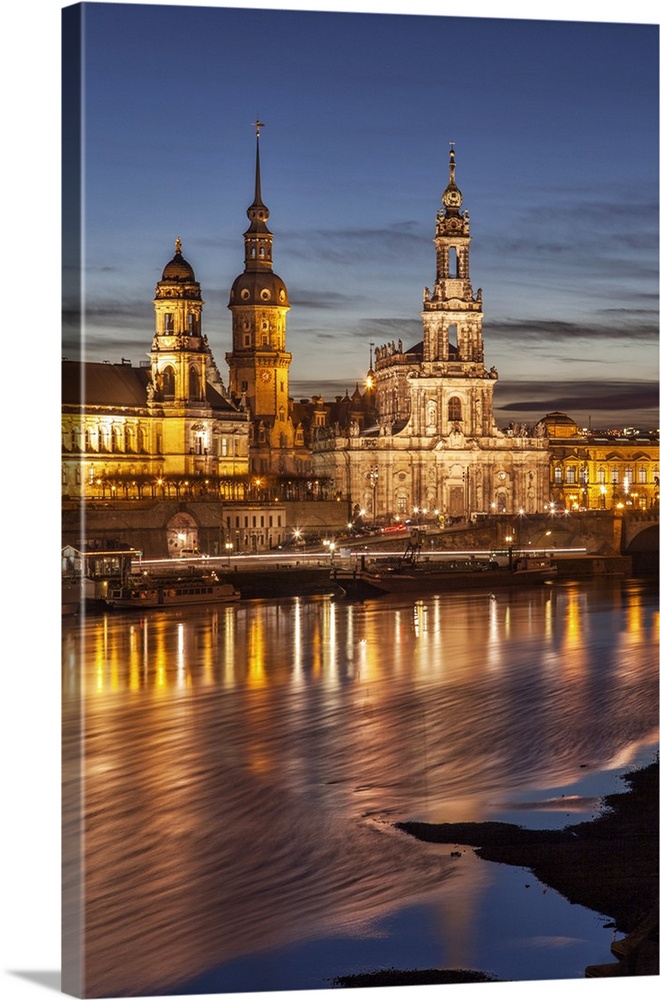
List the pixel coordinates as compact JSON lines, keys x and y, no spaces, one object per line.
{"x":556,"y":132}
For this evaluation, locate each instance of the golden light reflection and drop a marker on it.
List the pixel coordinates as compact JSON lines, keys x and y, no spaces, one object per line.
{"x":180,"y":655}
{"x":256,"y":676}
{"x":228,"y":652}
{"x":494,"y":649}
{"x":634,"y":624}
{"x":549,"y":618}
{"x":573,"y":622}
{"x":297,"y":639}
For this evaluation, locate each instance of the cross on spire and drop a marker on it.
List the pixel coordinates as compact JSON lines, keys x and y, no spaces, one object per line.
{"x":258,"y":126}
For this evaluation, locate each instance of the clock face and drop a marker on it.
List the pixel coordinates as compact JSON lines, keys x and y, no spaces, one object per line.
{"x":265,"y":376}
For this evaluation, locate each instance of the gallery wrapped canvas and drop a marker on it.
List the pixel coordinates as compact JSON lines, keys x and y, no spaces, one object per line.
{"x":359,"y":500}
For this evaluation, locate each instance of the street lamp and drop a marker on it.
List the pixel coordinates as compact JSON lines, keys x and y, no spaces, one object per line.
{"x":509,"y":542}
{"x":372,"y":476}
{"x":228,"y":548}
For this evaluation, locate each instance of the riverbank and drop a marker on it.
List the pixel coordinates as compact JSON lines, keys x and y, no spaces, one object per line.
{"x":609,"y":864}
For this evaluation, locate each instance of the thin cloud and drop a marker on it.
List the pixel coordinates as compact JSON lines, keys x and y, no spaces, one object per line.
{"x":638,"y":329}
{"x":605,"y":396}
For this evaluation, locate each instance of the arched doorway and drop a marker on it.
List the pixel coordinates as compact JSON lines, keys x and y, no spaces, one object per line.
{"x":182,"y":535}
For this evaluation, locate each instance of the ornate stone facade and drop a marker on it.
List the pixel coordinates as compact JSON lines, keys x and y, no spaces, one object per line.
{"x":163,"y":429}
{"x":259,"y":362}
{"x":433,"y":444}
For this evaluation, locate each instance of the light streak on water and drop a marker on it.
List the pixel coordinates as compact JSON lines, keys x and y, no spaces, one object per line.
{"x":244,"y":764}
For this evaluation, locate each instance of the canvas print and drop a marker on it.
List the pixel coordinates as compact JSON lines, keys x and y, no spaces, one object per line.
{"x":359,"y":500}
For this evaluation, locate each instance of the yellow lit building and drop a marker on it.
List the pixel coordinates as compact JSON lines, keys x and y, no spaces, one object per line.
{"x":259,"y":361}
{"x":420,"y":437}
{"x":600,"y":471}
{"x":163,"y":429}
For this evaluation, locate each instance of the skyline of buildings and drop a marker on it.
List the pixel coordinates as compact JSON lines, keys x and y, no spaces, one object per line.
{"x":355,"y":168}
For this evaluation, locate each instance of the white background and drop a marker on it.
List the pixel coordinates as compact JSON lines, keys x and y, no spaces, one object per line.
{"x":30,"y":331}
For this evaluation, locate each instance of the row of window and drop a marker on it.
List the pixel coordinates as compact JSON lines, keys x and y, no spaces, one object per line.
{"x":105,"y":438}
{"x":246,"y":521}
{"x":572,"y":475}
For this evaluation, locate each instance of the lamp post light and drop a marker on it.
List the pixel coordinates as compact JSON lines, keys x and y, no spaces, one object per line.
{"x":372,"y":476}
{"x":228,"y":547}
{"x":509,"y":542}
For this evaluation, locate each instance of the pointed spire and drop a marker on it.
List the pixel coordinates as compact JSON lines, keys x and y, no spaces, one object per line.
{"x":257,"y":209}
{"x":257,"y":176}
{"x":452,"y":198}
{"x":258,"y":238}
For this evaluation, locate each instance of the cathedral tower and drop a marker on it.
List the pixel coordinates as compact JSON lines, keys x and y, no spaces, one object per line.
{"x":180,"y":355}
{"x":258,"y":301}
{"x":436,"y":446}
{"x":452,"y":316}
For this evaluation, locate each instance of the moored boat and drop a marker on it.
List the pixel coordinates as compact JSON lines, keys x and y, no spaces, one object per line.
{"x":158,"y":592}
{"x":460,"y":575}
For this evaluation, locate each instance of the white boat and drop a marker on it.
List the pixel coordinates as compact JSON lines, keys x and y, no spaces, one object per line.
{"x":160,"y":592}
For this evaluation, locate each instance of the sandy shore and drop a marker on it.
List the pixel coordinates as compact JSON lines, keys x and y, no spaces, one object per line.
{"x":609,"y":864}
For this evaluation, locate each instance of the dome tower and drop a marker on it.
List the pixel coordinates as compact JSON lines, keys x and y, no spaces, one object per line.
{"x":180,"y":355}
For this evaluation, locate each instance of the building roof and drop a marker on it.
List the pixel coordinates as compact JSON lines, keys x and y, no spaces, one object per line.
{"x":93,"y":383}
{"x":99,"y":384}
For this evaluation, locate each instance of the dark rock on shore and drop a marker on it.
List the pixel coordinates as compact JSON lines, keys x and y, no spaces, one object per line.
{"x":413,"y":977}
{"x":609,"y":864}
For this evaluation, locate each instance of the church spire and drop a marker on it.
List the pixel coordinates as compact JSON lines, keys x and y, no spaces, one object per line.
{"x":258,"y":238}
{"x":452,"y":198}
{"x":258,"y":203}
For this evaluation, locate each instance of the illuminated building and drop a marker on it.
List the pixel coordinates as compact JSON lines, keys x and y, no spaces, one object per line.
{"x":418,"y":438}
{"x":164,"y":430}
{"x":600,"y":471}
{"x":259,"y":362}
{"x":431,"y":442}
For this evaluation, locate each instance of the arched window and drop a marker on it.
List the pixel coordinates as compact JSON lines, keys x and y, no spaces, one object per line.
{"x":454,"y":409}
{"x":168,"y":382}
{"x":194,"y":383}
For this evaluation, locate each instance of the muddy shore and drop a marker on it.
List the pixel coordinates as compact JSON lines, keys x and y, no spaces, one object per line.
{"x":608,"y":864}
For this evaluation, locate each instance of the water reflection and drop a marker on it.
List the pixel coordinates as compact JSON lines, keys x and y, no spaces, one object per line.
{"x":239,"y":762}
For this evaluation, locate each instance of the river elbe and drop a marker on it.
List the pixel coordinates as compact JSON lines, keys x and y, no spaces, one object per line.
{"x":242,"y":767}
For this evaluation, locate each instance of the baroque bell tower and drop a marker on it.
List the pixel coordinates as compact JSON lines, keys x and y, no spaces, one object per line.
{"x":259,"y":301}
{"x":180,"y":355}
{"x":452,"y":316}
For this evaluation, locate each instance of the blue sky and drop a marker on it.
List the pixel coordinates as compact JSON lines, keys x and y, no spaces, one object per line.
{"x":556,"y":132}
